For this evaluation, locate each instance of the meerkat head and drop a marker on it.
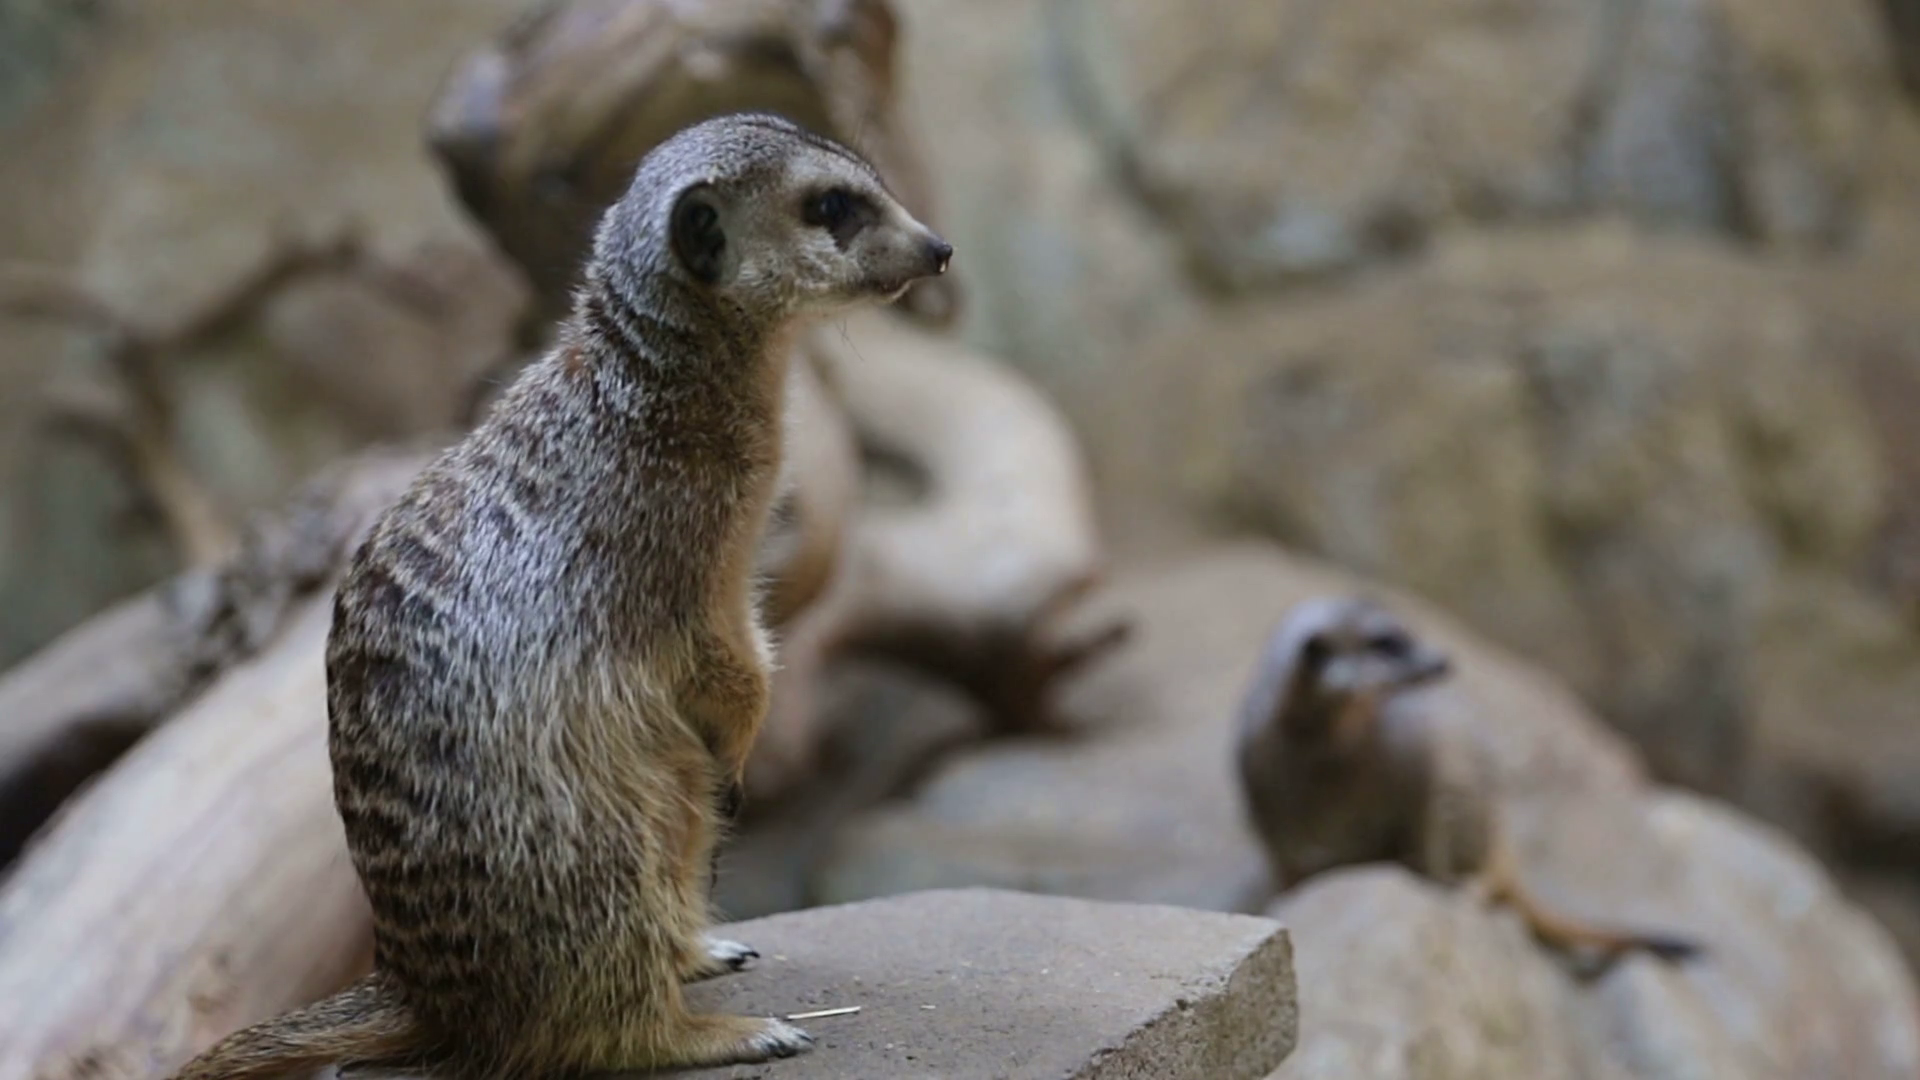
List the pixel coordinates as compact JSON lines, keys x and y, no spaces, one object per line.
{"x":777,"y":220}
{"x":1341,"y":658}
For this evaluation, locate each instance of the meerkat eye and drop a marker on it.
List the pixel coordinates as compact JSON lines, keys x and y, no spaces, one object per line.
{"x":830,"y":209}
{"x":1393,"y":645}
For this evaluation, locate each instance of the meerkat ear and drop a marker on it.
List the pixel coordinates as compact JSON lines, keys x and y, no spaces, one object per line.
{"x":698,"y":236}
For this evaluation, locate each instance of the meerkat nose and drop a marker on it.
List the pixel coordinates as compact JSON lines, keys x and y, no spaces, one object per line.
{"x":941,"y":252}
{"x":1433,"y":665}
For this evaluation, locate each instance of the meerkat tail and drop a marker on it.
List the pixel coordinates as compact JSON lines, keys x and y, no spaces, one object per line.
{"x":1501,"y":883}
{"x":364,"y":1022}
{"x":1664,"y":946}
{"x":1567,"y":933}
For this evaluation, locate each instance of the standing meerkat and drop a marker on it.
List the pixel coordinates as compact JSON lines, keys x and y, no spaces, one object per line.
{"x":546,"y":665}
{"x":1342,"y":762}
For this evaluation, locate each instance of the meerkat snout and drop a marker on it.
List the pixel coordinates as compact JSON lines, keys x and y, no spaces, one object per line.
{"x":875,"y":239}
{"x":1421,"y":663}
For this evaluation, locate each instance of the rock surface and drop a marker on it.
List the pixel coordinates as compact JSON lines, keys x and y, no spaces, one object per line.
{"x":1282,"y":141}
{"x":993,"y":985}
{"x":1658,"y":469}
{"x":1402,"y":979}
{"x":1121,"y":158}
{"x":1630,"y":459}
{"x":1796,"y":982}
{"x":1142,"y":803}
{"x":1670,"y":467}
{"x":167,"y":156}
{"x":887,"y":724}
{"x":1411,"y":980}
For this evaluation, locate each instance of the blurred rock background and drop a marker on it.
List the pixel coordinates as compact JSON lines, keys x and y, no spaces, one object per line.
{"x":1593,"y":323}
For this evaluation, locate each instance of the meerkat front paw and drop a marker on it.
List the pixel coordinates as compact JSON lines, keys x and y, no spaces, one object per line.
{"x":718,"y":957}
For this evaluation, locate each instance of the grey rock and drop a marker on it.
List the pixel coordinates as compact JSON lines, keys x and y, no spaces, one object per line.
{"x":37,"y":38}
{"x":1799,"y":981}
{"x":1364,"y":129}
{"x":1663,"y":146}
{"x":1402,"y":978}
{"x":1903,"y":28}
{"x":164,"y":155}
{"x":992,"y":985}
{"x":1644,"y":463}
{"x":1669,"y":468}
{"x":887,"y":724}
{"x":1142,"y":803}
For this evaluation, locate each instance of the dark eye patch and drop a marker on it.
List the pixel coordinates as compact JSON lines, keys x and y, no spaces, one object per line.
{"x":841,"y":212}
{"x":1393,"y":645}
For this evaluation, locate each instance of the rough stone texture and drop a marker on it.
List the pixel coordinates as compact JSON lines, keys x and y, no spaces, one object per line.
{"x":37,"y":39}
{"x":1400,"y":978}
{"x":1142,"y":803}
{"x":1292,"y":139}
{"x":1656,"y":468}
{"x":169,"y":149}
{"x":1673,"y":469}
{"x":993,"y":985}
{"x":1032,"y":201}
{"x":887,"y":724}
{"x":1117,"y":157}
{"x":1903,"y":26}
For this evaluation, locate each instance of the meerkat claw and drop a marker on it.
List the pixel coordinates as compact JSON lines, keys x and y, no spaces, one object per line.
{"x":717,"y":956}
{"x":780,"y":1039}
{"x":731,"y":955}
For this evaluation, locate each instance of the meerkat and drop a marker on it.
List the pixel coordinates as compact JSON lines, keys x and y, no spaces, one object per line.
{"x":1341,"y":762}
{"x":546,"y":666}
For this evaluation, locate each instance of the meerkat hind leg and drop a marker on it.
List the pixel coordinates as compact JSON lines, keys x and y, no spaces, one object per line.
{"x":673,"y":1037}
{"x":721,"y":1039}
{"x":664,"y":1033}
{"x":703,"y":954}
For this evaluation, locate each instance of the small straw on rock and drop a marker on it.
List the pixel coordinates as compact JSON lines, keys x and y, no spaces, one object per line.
{"x":847,"y":1010}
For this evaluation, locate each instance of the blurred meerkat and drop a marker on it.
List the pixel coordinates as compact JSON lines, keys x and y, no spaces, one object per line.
{"x":547,"y":663}
{"x":1342,"y":761}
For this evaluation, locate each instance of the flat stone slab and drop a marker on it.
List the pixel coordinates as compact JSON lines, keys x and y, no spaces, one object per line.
{"x":997,"y":985}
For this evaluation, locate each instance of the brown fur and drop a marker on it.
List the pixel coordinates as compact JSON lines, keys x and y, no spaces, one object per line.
{"x":547,"y":663}
{"x":1343,"y":761}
